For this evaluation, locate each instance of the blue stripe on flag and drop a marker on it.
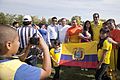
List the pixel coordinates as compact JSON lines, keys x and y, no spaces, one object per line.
{"x":88,"y":58}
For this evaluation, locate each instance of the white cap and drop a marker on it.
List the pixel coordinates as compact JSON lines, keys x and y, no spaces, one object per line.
{"x":27,"y":18}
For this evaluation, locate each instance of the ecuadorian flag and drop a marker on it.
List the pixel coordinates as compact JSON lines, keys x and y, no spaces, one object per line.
{"x":83,"y":55}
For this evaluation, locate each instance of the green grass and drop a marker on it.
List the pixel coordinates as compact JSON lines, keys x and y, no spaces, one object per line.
{"x":75,"y":73}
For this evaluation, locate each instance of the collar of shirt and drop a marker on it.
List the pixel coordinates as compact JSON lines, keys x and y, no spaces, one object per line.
{"x":53,"y":25}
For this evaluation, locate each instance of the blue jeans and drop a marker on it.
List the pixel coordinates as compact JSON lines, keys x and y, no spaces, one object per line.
{"x":100,"y":72}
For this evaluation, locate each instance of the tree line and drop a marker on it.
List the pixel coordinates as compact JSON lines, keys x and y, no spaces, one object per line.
{"x":6,"y":18}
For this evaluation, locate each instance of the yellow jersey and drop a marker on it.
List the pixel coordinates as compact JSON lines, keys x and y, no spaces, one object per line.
{"x":96,"y":30}
{"x":55,"y":54}
{"x":8,"y":69}
{"x":106,"y":46}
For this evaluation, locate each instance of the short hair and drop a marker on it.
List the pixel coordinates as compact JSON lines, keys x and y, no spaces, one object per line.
{"x":96,"y":14}
{"x":14,"y":23}
{"x":63,"y":19}
{"x":7,"y":33}
{"x":54,"y":18}
{"x":104,"y":30}
{"x":57,"y":42}
{"x":27,"y":23}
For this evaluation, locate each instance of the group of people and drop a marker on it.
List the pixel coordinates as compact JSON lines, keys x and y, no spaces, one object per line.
{"x":47,"y":39}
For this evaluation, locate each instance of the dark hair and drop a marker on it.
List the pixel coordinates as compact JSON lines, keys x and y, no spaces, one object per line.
{"x":95,"y":14}
{"x":111,"y":21}
{"x":104,"y":24}
{"x":90,"y":29}
{"x":14,"y":23}
{"x":26,"y":23}
{"x":57,"y":42}
{"x":104,"y":30}
{"x":54,"y":18}
{"x":100,"y":44}
{"x":63,"y":19}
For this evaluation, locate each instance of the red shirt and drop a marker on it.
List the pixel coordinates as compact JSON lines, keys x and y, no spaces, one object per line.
{"x":115,"y":35}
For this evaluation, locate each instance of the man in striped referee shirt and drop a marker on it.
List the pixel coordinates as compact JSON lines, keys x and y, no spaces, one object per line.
{"x":26,"y":31}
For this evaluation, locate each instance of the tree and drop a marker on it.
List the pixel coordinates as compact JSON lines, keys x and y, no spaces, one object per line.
{"x":2,"y":18}
{"x":43,"y":21}
{"x":35,"y":20}
{"x":19,"y":19}
{"x":9,"y":18}
{"x":77,"y":18}
{"x":49,"y":21}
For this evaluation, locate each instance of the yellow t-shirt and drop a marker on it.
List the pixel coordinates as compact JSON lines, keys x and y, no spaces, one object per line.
{"x":96,"y":30}
{"x":106,"y":46}
{"x":55,"y":55}
{"x":9,"y":68}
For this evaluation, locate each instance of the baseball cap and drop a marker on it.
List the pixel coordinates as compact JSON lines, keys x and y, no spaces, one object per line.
{"x":27,"y":18}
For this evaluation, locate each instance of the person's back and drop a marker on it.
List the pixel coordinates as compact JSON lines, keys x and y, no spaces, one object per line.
{"x":26,"y":31}
{"x":11,"y":68}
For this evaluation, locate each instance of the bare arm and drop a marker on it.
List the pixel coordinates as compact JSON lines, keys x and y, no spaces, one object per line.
{"x":66,"y":38}
{"x":25,"y":52}
{"x":46,"y":68}
{"x":112,"y":41}
{"x":53,"y":59}
{"x":102,"y":59}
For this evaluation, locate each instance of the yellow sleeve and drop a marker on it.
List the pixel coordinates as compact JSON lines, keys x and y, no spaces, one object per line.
{"x":106,"y":45}
{"x":52,"y":52}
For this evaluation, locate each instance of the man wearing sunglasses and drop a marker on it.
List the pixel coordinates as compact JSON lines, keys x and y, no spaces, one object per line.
{"x":96,"y":25}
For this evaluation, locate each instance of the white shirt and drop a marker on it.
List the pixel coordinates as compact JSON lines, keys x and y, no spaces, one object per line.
{"x":52,"y":32}
{"x":62,"y":32}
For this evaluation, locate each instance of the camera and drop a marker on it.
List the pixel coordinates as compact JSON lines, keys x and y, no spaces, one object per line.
{"x":34,"y":40}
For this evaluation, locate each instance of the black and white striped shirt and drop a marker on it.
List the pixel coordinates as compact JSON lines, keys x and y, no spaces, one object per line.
{"x":25,"y":33}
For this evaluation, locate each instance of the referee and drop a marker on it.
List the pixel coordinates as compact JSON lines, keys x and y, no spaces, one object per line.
{"x":25,"y":32}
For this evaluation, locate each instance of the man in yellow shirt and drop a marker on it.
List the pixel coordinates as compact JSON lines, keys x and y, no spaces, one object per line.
{"x":96,"y":25}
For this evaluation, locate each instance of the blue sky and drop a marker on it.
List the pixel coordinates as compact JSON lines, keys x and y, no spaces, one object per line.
{"x":63,"y":8}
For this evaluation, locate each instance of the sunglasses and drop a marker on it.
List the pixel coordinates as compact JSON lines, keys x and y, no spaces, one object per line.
{"x":54,"y":20}
{"x":73,"y":22}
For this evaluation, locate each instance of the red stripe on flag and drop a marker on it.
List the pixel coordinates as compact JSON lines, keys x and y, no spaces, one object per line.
{"x":78,"y":63}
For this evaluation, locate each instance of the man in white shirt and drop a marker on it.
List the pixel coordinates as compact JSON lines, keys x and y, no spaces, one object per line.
{"x":52,"y":32}
{"x":62,"y":30}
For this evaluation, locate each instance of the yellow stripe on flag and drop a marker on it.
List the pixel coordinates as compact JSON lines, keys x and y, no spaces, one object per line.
{"x":89,"y":47}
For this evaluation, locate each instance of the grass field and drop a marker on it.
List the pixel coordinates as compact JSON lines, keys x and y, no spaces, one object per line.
{"x":75,"y":73}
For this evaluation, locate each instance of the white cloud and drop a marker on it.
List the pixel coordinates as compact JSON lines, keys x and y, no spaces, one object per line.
{"x":63,"y":8}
